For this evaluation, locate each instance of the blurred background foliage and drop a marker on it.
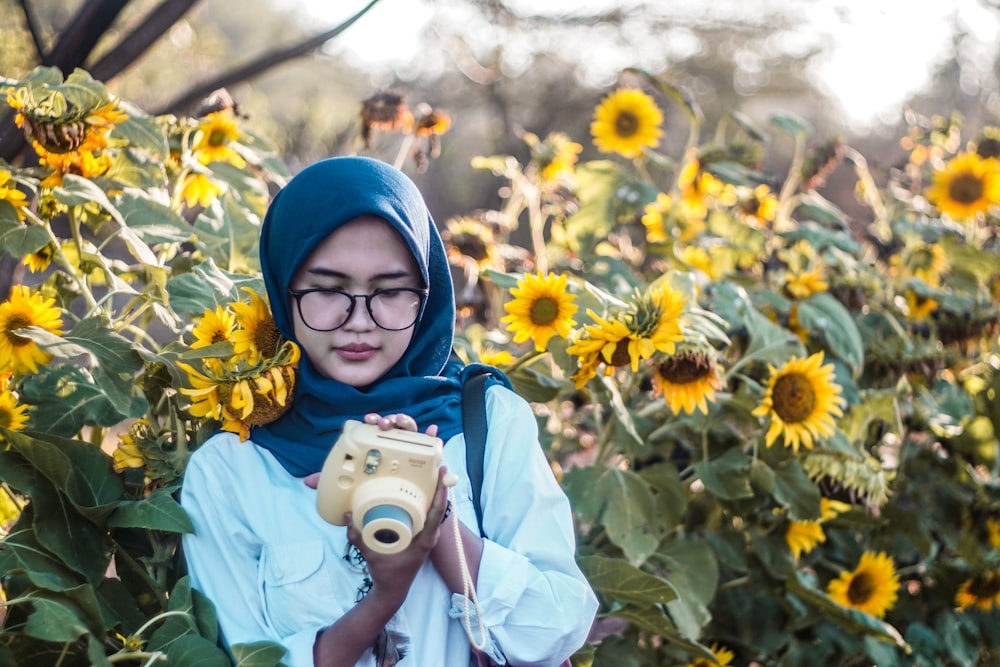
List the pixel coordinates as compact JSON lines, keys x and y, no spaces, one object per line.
{"x":781,"y":243}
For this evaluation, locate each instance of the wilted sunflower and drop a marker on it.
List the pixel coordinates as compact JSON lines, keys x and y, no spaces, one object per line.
{"x":626,"y":122}
{"x":870,"y":588}
{"x":256,"y":336}
{"x":127,"y":454}
{"x":541,"y":308}
{"x":687,"y":381}
{"x":981,"y":591}
{"x":24,"y":309}
{"x":214,"y":139}
{"x":723,"y":658}
{"x":199,"y":189}
{"x":12,"y":416}
{"x":967,"y":186}
{"x":10,"y":194}
{"x":385,"y":110}
{"x":801,"y":400}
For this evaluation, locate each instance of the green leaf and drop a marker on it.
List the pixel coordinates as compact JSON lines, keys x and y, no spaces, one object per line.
{"x":876,"y":407}
{"x":622,"y":502}
{"x":152,"y":221}
{"x":793,"y":125}
{"x":158,"y":511}
{"x":827,"y":318}
{"x":606,"y":194}
{"x":727,"y":476}
{"x":257,"y":654}
{"x":815,"y":207}
{"x":206,"y":287}
{"x":195,"y":651}
{"x":796,"y":491}
{"x":20,"y":549}
{"x":54,"y":618}
{"x":537,"y":386}
{"x":141,"y":131}
{"x":670,"y":500}
{"x":17,"y":238}
{"x":850,"y":619}
{"x":65,"y":399}
{"x":618,"y":580}
{"x":690,"y":567}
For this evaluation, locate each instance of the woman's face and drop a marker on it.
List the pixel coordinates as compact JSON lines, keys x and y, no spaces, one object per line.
{"x":363,"y":255}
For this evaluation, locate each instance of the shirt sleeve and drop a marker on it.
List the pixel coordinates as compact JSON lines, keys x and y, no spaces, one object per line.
{"x":224,"y":556}
{"x":534,"y":600}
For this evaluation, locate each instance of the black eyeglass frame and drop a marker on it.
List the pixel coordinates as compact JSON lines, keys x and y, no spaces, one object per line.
{"x":297,"y":295}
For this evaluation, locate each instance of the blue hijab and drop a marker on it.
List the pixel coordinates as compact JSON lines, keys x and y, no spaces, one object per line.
{"x":426,"y":383}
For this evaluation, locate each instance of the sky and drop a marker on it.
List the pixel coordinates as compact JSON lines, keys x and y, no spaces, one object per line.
{"x":885,"y":49}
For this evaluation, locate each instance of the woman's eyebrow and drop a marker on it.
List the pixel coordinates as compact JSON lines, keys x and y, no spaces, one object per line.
{"x":333,"y":273}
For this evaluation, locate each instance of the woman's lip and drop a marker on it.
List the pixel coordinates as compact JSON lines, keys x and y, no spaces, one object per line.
{"x":356,"y":352}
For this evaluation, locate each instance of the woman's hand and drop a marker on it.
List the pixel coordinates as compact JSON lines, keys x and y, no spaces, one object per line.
{"x":399,"y":420}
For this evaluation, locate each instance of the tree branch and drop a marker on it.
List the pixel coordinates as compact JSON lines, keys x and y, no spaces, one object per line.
{"x":129,"y":49}
{"x":261,"y":64}
{"x":82,"y":34}
{"x":34,"y":28}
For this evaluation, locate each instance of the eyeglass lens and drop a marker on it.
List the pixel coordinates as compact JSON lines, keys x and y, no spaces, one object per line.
{"x":393,"y":309}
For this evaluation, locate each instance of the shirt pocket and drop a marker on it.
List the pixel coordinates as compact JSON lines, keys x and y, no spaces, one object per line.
{"x":297,"y":586}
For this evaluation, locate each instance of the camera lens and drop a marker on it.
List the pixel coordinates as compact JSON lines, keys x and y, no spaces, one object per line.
{"x":386,"y":536}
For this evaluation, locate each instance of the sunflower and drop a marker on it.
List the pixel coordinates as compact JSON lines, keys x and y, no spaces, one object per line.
{"x":723,"y":658}
{"x":39,"y":260}
{"x":967,"y":186}
{"x":496,"y":357}
{"x":127,"y":454}
{"x":89,"y":163}
{"x":626,"y":122}
{"x":215,"y":326}
{"x":993,"y":532}
{"x":687,"y":381}
{"x":919,"y":308}
{"x":760,"y":207}
{"x":199,"y":189}
{"x":553,"y":157}
{"x":24,"y":309}
{"x":700,"y":259}
{"x":470,"y":241}
{"x":12,"y":415}
{"x":870,"y":588}
{"x":803,"y":536}
{"x":256,"y":336}
{"x":214,"y":138}
{"x":981,"y":591}
{"x":433,"y":123}
{"x":387,"y":111}
{"x":654,"y":323}
{"x":803,"y":284}
{"x":699,"y":189}
{"x":10,"y":194}
{"x":801,"y":400}
{"x":652,"y":218}
{"x":541,"y":309}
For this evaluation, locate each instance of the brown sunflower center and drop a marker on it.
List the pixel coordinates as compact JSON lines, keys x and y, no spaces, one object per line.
{"x":6,"y":418}
{"x":621,"y":356}
{"x":965,"y":188}
{"x":544,"y":311}
{"x":685,"y":368}
{"x":626,"y":124}
{"x":988,"y":148}
{"x":794,"y":398}
{"x":861,"y":589}
{"x":985,"y":587}
{"x":217,"y":138}
{"x":266,"y":337}
{"x":17,"y":321}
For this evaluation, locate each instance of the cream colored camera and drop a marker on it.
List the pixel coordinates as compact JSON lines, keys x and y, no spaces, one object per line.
{"x":386,"y":479}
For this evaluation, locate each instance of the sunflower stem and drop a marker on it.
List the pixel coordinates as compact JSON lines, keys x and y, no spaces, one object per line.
{"x":786,"y":200}
{"x":60,"y":258}
{"x":404,"y":150}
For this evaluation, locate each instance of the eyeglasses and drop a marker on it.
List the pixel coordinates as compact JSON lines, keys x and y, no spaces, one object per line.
{"x":393,"y":309}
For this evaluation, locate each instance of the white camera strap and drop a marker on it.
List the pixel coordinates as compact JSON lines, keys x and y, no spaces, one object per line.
{"x":468,"y":586}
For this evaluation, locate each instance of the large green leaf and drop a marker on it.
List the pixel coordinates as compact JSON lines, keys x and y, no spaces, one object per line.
{"x":206,"y":287}
{"x":157,"y":511}
{"x":20,"y":548}
{"x":618,"y":580}
{"x":689,"y":564}
{"x":195,"y":651}
{"x":257,"y":654}
{"x":16,"y":237}
{"x":153,"y":221}
{"x":827,"y":318}
{"x":622,"y":502}
{"x":65,"y":398}
{"x":796,"y":491}
{"x":54,"y":618}
{"x":727,"y":476}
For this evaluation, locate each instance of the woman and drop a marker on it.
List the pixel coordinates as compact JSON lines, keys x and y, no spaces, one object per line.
{"x":357,"y":276}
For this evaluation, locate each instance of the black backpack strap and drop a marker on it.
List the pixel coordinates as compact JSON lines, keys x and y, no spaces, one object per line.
{"x":474,"y":426}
